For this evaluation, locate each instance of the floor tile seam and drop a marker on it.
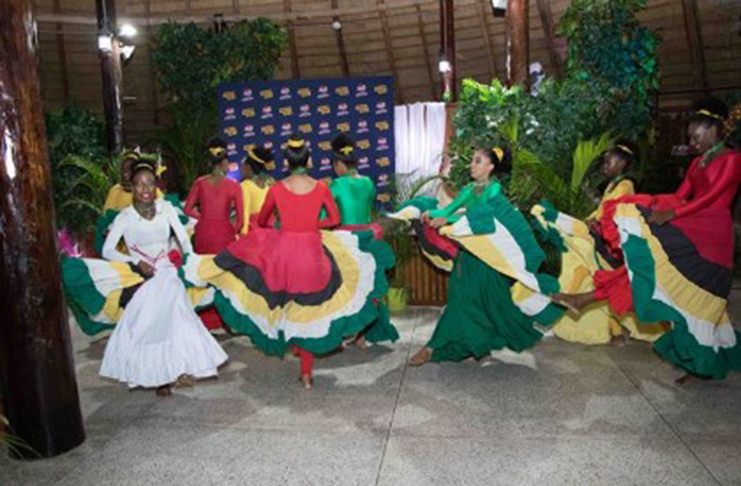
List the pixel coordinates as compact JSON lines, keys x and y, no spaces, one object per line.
{"x":676,"y":433}
{"x":398,"y":398}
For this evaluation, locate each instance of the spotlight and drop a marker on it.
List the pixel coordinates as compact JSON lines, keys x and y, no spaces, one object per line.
{"x":127,"y":30}
{"x":444,"y":66}
{"x":336,"y":25}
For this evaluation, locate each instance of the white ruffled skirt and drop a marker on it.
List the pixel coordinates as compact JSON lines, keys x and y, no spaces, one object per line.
{"x":159,"y":337}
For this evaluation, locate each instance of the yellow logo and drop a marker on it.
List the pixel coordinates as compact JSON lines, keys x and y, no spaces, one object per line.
{"x":325,"y":145}
{"x":381,"y":89}
{"x":305,"y":128}
{"x":383,"y":162}
{"x":230,"y":131}
{"x":304,"y":92}
{"x":268,"y":129}
{"x":286,"y":111}
{"x":343,"y":127}
{"x":342,"y":91}
{"x":364,"y":144}
{"x":248,"y":112}
{"x":266,"y":93}
{"x":229,"y":95}
{"x":384,"y":197}
{"x":382,"y":125}
{"x":362,"y":108}
{"x":324,"y":109}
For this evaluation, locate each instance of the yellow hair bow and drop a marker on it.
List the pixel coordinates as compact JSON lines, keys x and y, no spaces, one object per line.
{"x":295,"y":143}
{"x":347,"y":150}
{"x":625,"y":149}
{"x":253,"y":155}
{"x":499,"y":152}
{"x":711,"y":115}
{"x":217,"y":151}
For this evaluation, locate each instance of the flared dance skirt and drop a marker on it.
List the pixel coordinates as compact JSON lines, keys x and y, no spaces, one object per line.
{"x":309,"y":289}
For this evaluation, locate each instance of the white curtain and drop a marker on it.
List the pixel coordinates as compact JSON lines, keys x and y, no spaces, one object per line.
{"x":420,"y":140}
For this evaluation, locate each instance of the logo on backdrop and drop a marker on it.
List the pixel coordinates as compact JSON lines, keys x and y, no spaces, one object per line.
{"x":266,"y":112}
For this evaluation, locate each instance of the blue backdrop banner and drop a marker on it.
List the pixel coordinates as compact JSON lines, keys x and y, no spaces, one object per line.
{"x":267,"y":112}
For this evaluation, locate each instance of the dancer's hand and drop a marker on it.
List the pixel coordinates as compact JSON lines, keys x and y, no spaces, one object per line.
{"x":425,"y":218}
{"x":145,"y":268}
{"x":593,"y":225}
{"x":438,"y":222}
{"x":661,"y":217}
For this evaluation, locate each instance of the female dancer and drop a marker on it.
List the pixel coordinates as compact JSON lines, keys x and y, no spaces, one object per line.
{"x":120,"y":196}
{"x":355,"y":196}
{"x":215,"y":196}
{"x":485,"y":311}
{"x":158,"y":338}
{"x":584,"y":253}
{"x":256,"y":184}
{"x":678,"y":253}
{"x":297,"y":286}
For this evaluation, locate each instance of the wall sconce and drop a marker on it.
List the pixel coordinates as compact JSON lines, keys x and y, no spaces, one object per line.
{"x":444,"y":66}
{"x":499,"y":8}
{"x":127,"y":30}
{"x":105,"y":40}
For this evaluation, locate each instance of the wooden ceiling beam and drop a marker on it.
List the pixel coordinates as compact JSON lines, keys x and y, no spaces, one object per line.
{"x":428,"y":63}
{"x":399,"y":90}
{"x":549,"y":32}
{"x":340,"y":42}
{"x":695,"y":45}
{"x":295,"y":69}
{"x":61,"y":54}
{"x":493,"y":71}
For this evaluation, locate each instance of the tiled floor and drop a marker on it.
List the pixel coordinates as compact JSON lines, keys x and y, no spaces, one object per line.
{"x":560,"y":414}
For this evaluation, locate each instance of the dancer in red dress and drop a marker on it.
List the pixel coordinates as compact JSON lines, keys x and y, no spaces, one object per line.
{"x":678,"y":254}
{"x":215,"y":196}
{"x":210,"y":202}
{"x":297,"y":287}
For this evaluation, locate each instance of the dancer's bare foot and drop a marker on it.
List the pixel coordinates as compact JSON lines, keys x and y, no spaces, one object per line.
{"x":422,"y":357}
{"x":185,"y":381}
{"x":361,"y":343}
{"x":164,"y":391}
{"x":307,"y":381}
{"x":619,"y":341}
{"x":685,"y":379}
{"x":573,"y":302}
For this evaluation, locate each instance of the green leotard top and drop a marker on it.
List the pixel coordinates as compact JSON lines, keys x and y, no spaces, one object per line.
{"x":354,"y":197}
{"x":466,"y":199}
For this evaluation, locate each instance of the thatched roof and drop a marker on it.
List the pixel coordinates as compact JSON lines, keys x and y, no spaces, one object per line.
{"x":701,"y":44}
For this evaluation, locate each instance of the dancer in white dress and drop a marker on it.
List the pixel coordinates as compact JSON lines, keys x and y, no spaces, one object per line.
{"x":159,"y":337}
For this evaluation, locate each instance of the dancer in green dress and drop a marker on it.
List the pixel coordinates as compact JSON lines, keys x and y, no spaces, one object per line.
{"x":355,"y":195}
{"x":494,"y":296}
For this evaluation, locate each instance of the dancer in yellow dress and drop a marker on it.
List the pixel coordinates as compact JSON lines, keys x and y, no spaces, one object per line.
{"x":256,"y":184}
{"x":583,"y":253}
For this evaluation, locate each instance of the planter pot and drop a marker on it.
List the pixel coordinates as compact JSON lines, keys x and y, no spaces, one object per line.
{"x":397,"y":299}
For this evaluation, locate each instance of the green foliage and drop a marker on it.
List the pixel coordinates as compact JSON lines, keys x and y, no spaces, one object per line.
{"x":13,"y":444}
{"x":190,"y":63}
{"x":611,"y":71}
{"x":81,"y":171}
{"x":609,"y":49}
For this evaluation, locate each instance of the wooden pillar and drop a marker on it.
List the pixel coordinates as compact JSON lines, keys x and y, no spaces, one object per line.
{"x":110,"y":70}
{"x":518,"y":48}
{"x":37,"y":373}
{"x":447,"y":48}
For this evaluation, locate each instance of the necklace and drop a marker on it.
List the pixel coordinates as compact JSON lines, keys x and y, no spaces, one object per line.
{"x":351,"y":172}
{"x":146,"y":211}
{"x":710,"y":155}
{"x":480,"y":187}
{"x":299,"y":171}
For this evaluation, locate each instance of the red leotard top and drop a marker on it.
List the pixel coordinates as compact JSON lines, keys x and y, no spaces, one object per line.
{"x":300,"y":213}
